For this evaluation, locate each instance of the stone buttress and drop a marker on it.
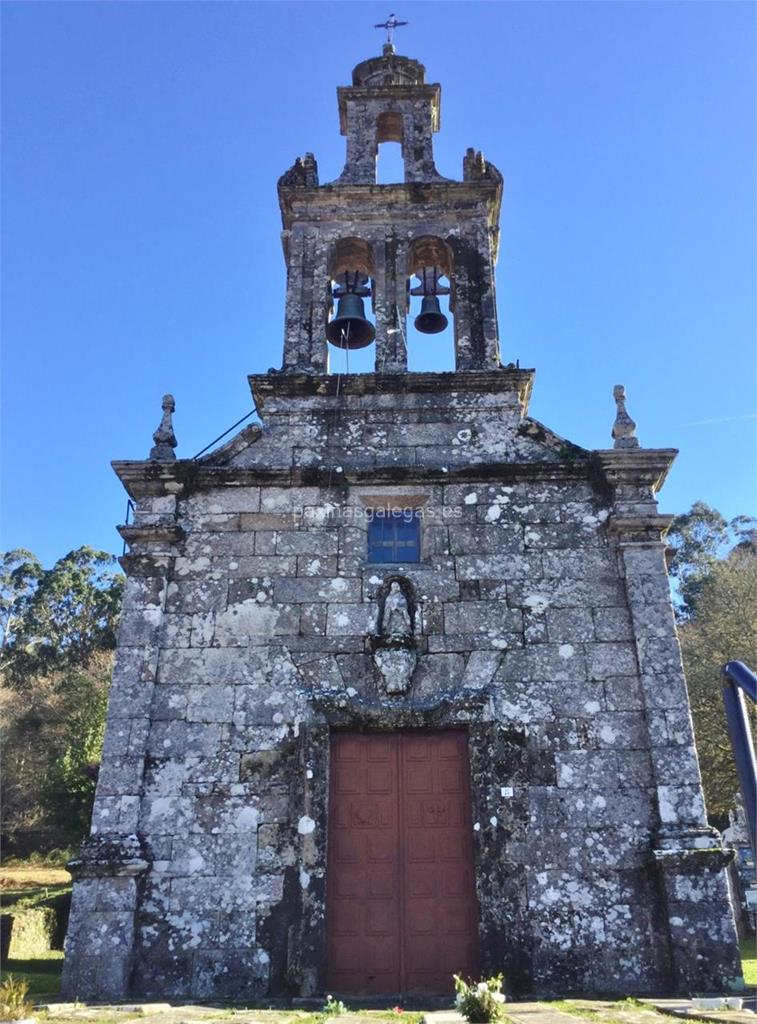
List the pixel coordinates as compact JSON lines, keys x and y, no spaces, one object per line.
{"x":541,"y":624}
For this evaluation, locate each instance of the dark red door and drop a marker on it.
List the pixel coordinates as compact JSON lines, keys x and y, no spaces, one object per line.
{"x":401,"y":907}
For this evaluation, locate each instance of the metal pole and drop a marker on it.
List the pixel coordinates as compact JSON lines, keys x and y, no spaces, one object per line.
{"x":737,"y":677}
{"x":743,"y":677}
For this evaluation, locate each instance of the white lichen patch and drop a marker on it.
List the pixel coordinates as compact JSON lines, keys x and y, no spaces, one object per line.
{"x":566,"y":651}
{"x":195,"y":862}
{"x":305,"y":825}
{"x":246,"y":819}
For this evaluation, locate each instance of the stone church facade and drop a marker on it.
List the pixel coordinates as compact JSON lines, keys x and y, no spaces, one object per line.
{"x":398,"y":690}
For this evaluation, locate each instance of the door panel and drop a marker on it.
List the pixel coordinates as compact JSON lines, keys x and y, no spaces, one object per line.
{"x":401,"y":909}
{"x":363,"y":869}
{"x":437,"y":826}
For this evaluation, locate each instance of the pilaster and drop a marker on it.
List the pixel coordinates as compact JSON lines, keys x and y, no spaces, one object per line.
{"x":305,"y":319}
{"x":102,"y":928}
{"x":703,"y":945}
{"x":391,"y":305}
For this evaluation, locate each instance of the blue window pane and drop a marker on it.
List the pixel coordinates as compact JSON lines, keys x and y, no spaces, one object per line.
{"x":394,"y":535}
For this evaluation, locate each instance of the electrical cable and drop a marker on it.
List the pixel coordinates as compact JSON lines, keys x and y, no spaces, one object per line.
{"x":220,"y":436}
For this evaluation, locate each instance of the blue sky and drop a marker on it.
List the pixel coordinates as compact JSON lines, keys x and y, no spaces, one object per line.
{"x":141,"y":250}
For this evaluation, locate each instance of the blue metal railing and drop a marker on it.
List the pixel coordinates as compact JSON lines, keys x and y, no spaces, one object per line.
{"x":737,"y":681}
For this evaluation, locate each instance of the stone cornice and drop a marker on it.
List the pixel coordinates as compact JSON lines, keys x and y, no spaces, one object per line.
{"x":301,"y":385}
{"x":186,"y":476}
{"x":154,"y":533}
{"x":386,"y":204}
{"x":143,"y":478}
{"x":640,"y":529}
{"x":105,"y":856}
{"x":648,"y":466}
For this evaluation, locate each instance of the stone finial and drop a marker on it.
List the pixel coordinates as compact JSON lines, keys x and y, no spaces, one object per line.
{"x":477,"y":168}
{"x":164,"y":437}
{"x":302,"y":174}
{"x":624,"y":428}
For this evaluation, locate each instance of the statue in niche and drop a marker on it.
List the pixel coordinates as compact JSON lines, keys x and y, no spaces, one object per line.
{"x":394,"y":644}
{"x":396,"y":619}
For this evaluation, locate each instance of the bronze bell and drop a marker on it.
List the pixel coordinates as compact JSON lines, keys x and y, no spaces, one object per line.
{"x":430,"y":320}
{"x":349,"y":328}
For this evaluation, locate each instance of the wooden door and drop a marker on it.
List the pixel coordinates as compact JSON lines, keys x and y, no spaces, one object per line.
{"x":401,"y":907}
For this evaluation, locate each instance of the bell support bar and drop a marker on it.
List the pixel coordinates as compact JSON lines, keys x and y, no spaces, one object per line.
{"x":737,"y":681}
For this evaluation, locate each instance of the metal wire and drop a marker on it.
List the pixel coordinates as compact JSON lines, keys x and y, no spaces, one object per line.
{"x":221,"y":436}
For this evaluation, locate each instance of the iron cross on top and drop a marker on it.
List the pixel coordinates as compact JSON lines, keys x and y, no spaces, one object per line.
{"x":390,"y":25}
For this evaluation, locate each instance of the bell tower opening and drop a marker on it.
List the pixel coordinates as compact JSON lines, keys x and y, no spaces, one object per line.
{"x":390,"y":150}
{"x":431,"y":322}
{"x":351,"y":273}
{"x":390,"y":165}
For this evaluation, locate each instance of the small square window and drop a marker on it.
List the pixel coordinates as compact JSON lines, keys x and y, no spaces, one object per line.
{"x":394,"y":535}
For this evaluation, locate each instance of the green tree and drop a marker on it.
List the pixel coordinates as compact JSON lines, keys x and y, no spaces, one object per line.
{"x":721,"y":627}
{"x":20,"y":571}
{"x":58,"y":634}
{"x":697,"y":540}
{"x":58,"y":618}
{"x":68,"y":786}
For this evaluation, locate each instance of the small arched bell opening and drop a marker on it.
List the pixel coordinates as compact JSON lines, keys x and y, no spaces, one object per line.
{"x":349,"y":331}
{"x":390,"y":137}
{"x":431,"y":333}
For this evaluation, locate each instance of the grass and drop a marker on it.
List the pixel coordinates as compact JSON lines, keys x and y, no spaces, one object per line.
{"x":81,"y":1014}
{"x":197,"y":1014}
{"x":34,"y":872}
{"x":42,"y":973}
{"x":608,"y":1013}
{"x":749,"y":961}
{"x":28,"y":877}
{"x":28,"y":898}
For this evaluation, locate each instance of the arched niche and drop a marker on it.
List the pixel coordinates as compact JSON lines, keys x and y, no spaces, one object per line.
{"x":430,"y":251}
{"x":390,"y":127}
{"x":430,"y":265}
{"x":390,"y":148}
{"x":348,"y":255}
{"x":350,"y":267}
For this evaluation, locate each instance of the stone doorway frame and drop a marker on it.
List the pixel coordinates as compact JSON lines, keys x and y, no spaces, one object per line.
{"x":297,"y":942}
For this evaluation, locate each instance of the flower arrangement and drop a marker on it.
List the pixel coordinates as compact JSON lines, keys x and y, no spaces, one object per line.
{"x":480,"y":1002}
{"x":333,"y":1007}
